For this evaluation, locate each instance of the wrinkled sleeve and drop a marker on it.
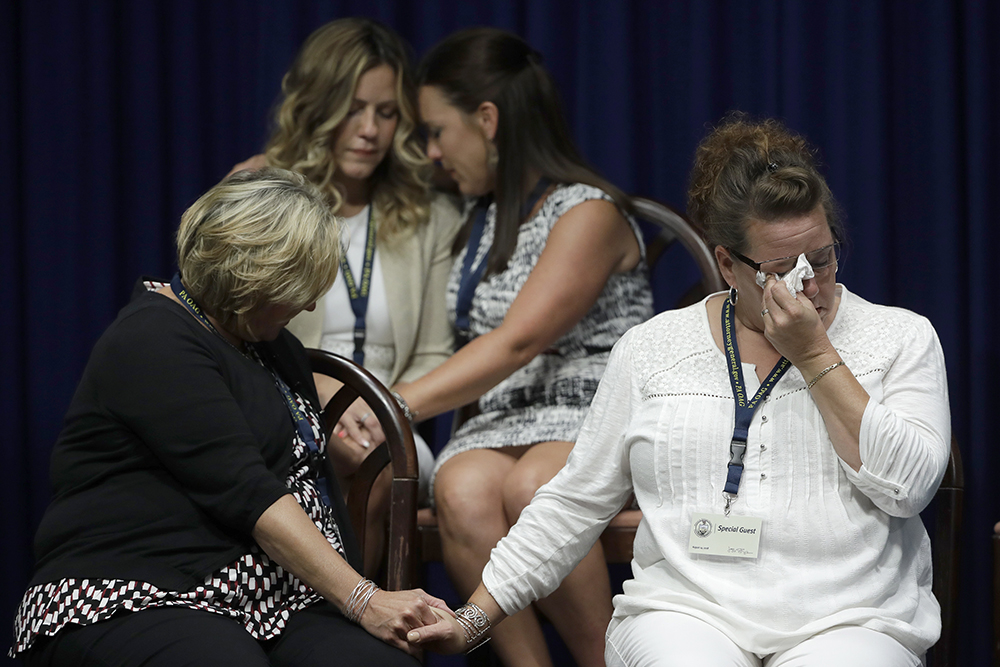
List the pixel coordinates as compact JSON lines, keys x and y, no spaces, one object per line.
{"x":435,"y":338}
{"x":568,"y":515}
{"x":905,"y":438}
{"x":163,"y":382}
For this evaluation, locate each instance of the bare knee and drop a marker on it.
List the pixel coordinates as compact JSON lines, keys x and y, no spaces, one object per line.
{"x":468,"y":500}
{"x":520,"y":486}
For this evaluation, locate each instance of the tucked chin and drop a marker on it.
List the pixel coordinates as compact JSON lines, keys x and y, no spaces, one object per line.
{"x":471,"y":189}
{"x":359,"y":167}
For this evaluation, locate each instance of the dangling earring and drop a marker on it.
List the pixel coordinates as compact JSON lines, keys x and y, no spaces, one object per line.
{"x":492,"y":155}
{"x":734,"y":295}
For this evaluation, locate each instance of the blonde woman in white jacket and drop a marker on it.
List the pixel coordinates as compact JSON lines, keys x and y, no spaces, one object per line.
{"x":348,"y":122}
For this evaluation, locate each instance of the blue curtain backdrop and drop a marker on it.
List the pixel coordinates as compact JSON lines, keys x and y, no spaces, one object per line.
{"x":116,"y":115}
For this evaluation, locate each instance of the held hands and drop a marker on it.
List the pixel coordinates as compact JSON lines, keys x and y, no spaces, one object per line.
{"x":393,"y":616}
{"x":793,"y":325}
{"x":445,"y":635}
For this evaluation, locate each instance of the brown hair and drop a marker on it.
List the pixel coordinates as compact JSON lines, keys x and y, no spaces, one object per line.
{"x":490,"y":65}
{"x":318,"y":91}
{"x":746,"y":170}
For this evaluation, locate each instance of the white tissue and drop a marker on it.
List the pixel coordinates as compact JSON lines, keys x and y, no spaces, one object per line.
{"x":793,"y":279}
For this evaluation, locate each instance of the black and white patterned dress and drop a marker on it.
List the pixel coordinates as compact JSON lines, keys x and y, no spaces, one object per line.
{"x":255,"y":591}
{"x":548,"y":398}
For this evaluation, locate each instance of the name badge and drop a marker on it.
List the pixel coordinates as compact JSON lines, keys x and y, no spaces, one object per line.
{"x":720,"y":535}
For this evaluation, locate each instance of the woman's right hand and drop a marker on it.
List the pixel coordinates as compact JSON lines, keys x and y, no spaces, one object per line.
{"x":256,"y":162}
{"x":391,"y":616}
{"x":445,"y":636}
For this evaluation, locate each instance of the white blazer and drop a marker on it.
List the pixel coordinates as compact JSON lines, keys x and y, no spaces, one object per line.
{"x":415,"y":269}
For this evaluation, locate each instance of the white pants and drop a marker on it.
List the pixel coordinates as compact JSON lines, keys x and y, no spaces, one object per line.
{"x":673,"y":639}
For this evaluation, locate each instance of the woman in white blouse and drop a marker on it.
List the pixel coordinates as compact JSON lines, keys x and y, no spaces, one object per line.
{"x":779,"y":444}
{"x":348,"y":122}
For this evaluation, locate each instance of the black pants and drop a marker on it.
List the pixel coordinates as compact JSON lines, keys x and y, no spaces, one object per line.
{"x":177,"y":637}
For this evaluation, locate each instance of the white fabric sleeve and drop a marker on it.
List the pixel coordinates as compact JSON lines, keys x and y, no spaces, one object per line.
{"x":568,"y":515}
{"x":905,"y":439}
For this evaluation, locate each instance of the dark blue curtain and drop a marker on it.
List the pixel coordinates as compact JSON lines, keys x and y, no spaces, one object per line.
{"x":116,"y":115}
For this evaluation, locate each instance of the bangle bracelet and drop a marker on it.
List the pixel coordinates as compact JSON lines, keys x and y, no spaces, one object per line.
{"x":404,"y":406}
{"x":822,"y":373}
{"x":356,"y":604}
{"x":475,"y":623}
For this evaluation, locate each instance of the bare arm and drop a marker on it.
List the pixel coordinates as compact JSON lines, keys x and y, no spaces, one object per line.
{"x":289,"y":537}
{"x":586,"y":246}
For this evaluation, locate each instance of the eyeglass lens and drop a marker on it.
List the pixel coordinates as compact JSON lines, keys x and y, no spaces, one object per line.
{"x":820,"y":259}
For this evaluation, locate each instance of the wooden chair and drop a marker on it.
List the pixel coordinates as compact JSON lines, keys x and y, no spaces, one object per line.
{"x":398,"y":451}
{"x":674,"y":227}
{"x":996,"y":598}
{"x":949,"y":503}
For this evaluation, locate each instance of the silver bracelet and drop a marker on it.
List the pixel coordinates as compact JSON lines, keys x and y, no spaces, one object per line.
{"x":356,"y":604}
{"x":404,"y":406}
{"x":822,"y":373}
{"x":475,"y":623}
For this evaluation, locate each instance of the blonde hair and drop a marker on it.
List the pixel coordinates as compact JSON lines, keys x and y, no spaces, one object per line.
{"x":755,"y":170}
{"x":258,"y":238}
{"x":318,"y":92}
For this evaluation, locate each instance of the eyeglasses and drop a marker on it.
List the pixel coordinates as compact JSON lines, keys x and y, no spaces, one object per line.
{"x":822,"y":260}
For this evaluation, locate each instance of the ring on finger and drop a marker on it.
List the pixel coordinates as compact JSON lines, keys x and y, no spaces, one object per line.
{"x":764,"y":312}
{"x":363,"y":418}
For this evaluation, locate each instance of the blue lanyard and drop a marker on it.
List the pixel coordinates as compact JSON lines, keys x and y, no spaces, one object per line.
{"x":188,"y":301}
{"x":744,"y":408}
{"x":359,"y":297}
{"x":470,"y":277}
{"x":298,"y":418}
{"x":304,"y":428}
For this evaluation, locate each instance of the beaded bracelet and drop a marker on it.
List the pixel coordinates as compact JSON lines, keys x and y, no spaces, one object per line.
{"x":822,"y":373}
{"x":475,"y":623}
{"x":404,"y":406}
{"x":356,"y":604}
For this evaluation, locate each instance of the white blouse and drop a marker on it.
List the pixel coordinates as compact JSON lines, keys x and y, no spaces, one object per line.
{"x":338,"y":322}
{"x":838,"y":547}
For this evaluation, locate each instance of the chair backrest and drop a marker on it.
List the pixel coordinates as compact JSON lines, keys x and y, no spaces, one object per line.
{"x":397,"y":450}
{"x":949,"y":502}
{"x":996,"y":597}
{"x":674,"y":227}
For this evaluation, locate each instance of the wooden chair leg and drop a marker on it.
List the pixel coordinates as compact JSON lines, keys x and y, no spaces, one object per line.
{"x":996,"y":596}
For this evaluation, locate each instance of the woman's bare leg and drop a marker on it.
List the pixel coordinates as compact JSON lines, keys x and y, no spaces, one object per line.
{"x":580,"y":609}
{"x":468,"y":493}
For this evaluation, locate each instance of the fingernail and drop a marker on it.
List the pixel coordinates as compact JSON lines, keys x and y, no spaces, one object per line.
{"x":412,"y":636}
{"x":366,"y":444}
{"x":341,"y":434}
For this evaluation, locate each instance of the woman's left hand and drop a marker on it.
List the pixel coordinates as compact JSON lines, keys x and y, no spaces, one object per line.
{"x":792,"y":324}
{"x":360,"y":425}
{"x":391,"y":616}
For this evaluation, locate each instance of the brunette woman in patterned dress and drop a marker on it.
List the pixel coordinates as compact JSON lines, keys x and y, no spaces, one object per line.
{"x":190,"y":523}
{"x":562,"y":279}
